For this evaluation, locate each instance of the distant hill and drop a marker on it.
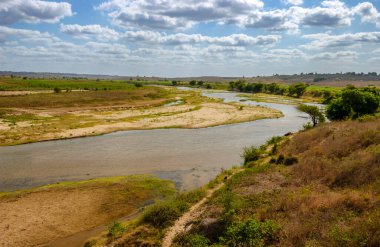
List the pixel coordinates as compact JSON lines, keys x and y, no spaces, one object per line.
{"x":337,"y":79}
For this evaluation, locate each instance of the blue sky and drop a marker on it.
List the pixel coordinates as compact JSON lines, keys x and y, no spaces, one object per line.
{"x":190,"y":38}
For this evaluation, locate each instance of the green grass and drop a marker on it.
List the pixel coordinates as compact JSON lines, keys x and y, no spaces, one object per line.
{"x":156,"y":186}
{"x":19,"y":84}
{"x":84,"y":98}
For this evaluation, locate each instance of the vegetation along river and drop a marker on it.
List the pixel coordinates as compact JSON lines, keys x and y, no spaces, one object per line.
{"x":190,"y":157}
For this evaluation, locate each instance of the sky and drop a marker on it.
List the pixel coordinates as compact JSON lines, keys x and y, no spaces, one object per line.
{"x":171,"y":38}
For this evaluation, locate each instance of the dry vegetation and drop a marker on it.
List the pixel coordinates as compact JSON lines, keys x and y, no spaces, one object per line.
{"x":329,"y":197}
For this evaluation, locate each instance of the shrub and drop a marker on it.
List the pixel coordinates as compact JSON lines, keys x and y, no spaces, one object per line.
{"x":116,"y":229}
{"x":274,"y":140}
{"x":251,"y":233}
{"x":57,"y":90}
{"x":161,"y":214}
{"x":194,"y":240}
{"x":138,"y":84}
{"x":290,"y":161}
{"x":280,"y":159}
{"x":251,"y":154}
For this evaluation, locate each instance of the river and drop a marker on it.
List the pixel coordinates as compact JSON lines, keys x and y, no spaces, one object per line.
{"x":190,"y":157}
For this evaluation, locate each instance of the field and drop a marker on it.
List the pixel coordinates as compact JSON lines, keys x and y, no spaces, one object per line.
{"x":91,"y":107}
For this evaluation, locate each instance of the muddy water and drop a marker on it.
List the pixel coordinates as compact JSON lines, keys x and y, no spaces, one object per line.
{"x":190,"y":157}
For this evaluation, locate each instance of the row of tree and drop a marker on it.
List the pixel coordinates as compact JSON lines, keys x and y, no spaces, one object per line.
{"x":294,"y":90}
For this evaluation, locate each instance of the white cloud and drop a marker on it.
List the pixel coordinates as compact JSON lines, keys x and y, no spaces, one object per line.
{"x":32,"y":11}
{"x":172,"y":14}
{"x":181,"y":38}
{"x":323,"y":40}
{"x":293,"y":2}
{"x":368,"y":12}
{"x":88,"y":31}
{"x":335,"y":55}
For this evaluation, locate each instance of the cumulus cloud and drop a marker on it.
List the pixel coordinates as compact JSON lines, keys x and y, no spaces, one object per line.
{"x":33,"y":11}
{"x":181,"y":38}
{"x":368,"y":13}
{"x":323,"y":40}
{"x":89,"y":31}
{"x":172,"y":14}
{"x":177,"y":15}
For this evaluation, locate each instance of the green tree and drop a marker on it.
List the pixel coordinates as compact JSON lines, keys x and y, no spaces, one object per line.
{"x":200,"y":83}
{"x":297,"y":89}
{"x":174,"y":83}
{"x":314,"y":113}
{"x":338,"y":110}
{"x":192,"y":83}
{"x":361,"y":102}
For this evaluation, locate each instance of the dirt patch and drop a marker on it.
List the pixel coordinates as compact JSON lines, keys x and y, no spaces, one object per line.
{"x":40,"y":217}
{"x":264,"y":183}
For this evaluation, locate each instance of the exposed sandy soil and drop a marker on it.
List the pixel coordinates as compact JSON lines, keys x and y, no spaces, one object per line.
{"x":210,"y":114}
{"x":17,"y":93}
{"x":42,"y":216}
{"x":38,"y":218}
{"x":94,"y":121}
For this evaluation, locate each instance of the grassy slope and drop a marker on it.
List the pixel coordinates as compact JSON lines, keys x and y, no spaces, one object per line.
{"x":331,"y":197}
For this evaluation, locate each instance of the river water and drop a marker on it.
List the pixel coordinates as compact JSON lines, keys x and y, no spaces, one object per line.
{"x":190,"y":157}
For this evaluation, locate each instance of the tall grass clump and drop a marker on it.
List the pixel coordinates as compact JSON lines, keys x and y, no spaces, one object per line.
{"x":251,"y":154}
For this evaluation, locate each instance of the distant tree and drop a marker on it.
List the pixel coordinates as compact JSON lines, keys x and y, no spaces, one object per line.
{"x":258,"y":87}
{"x":57,"y":90}
{"x":138,"y":84}
{"x":174,"y":83}
{"x":208,"y":86}
{"x":200,"y":83}
{"x":297,"y":89}
{"x":192,"y":83}
{"x":314,"y":113}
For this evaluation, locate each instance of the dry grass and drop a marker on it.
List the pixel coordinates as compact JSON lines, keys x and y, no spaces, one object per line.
{"x":331,"y":197}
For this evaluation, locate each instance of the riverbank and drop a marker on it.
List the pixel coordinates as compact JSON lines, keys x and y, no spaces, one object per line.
{"x":42,"y":215}
{"x":41,"y":121}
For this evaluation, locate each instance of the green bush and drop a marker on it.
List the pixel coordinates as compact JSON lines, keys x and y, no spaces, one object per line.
{"x":138,"y":84}
{"x":57,"y":90}
{"x":194,"y":240}
{"x":251,"y":233}
{"x":251,"y":154}
{"x":161,"y":214}
{"x":116,"y":229}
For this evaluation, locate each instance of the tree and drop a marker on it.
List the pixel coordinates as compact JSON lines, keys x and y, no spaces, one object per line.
{"x":297,"y":89}
{"x":192,"y":83}
{"x":360,"y":102}
{"x":200,"y":83}
{"x":338,"y":110}
{"x":314,"y":113}
{"x":174,"y":83}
